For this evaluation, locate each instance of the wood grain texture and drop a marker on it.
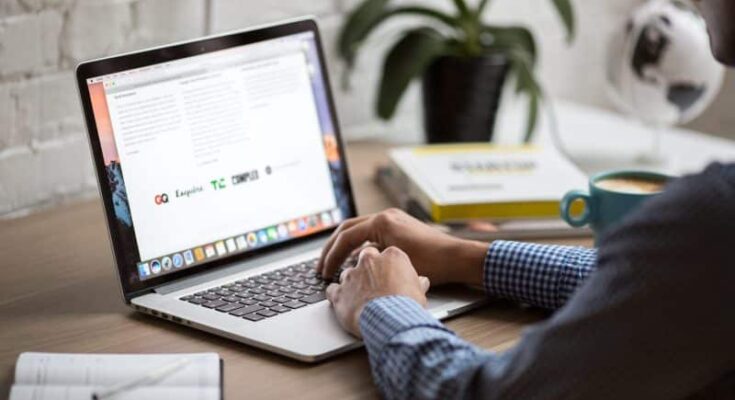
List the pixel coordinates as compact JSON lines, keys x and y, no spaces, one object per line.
{"x":59,"y":293}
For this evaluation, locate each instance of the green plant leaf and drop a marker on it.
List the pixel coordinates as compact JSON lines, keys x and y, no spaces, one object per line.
{"x":407,"y":60}
{"x":358,"y":25}
{"x":368,"y":16}
{"x":566,"y":12}
{"x":513,"y":37}
{"x":526,"y":84}
{"x":481,"y":7}
{"x":532,"y":120}
{"x":464,"y":11}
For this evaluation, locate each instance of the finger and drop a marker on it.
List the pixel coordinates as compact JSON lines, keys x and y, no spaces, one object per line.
{"x":343,"y":276}
{"x":333,"y":292}
{"x":327,"y":246}
{"x":425,"y":283}
{"x":366,"y":253}
{"x":346,"y":241}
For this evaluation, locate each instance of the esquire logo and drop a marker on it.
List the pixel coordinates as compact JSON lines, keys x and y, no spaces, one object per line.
{"x":189,"y":192}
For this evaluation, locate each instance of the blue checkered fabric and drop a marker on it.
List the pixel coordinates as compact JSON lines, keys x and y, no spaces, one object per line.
{"x":414,"y":356}
{"x":536,"y":274}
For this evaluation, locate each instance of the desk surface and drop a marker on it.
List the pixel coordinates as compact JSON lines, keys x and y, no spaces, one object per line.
{"x":58,"y":294}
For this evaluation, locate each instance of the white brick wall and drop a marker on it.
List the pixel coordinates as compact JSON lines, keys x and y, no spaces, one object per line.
{"x":43,"y":152}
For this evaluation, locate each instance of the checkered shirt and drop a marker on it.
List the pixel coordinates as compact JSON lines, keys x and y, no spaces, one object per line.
{"x":413,"y":355}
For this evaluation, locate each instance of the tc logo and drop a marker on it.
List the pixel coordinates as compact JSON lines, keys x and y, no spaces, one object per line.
{"x":160,"y":199}
{"x":218,"y":184}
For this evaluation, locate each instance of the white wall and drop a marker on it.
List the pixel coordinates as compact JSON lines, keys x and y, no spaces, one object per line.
{"x":43,"y":151}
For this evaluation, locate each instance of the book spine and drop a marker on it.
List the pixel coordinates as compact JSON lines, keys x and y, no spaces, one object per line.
{"x":412,"y":190}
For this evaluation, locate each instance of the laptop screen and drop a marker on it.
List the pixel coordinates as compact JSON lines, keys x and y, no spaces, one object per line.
{"x":219,"y":154}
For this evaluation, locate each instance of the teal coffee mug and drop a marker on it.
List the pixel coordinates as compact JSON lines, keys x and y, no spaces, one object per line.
{"x":611,"y":196}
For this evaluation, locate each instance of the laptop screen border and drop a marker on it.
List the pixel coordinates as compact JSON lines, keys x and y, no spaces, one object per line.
{"x":114,"y":64}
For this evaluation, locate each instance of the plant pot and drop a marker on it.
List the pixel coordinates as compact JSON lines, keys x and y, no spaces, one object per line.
{"x":461,"y":97}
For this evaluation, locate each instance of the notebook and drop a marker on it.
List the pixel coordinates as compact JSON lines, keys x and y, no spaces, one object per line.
{"x":468,"y":181}
{"x":41,"y":376}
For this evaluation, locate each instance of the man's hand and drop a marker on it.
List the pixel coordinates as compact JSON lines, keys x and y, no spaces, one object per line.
{"x":434,"y":254}
{"x":377,"y":274}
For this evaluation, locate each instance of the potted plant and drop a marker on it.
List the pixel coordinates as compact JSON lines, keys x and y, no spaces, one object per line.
{"x":463,"y":62}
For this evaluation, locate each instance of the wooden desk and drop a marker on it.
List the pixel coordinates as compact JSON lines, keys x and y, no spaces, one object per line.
{"x":58,"y":293}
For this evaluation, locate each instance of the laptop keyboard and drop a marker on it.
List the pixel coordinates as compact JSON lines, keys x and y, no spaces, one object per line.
{"x":267,"y":295}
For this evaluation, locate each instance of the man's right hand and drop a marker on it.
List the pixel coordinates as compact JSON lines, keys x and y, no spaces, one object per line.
{"x":440,"y":257}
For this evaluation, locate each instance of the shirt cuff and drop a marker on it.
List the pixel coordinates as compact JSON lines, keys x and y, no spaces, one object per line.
{"x":385,"y":317}
{"x":537,"y":274}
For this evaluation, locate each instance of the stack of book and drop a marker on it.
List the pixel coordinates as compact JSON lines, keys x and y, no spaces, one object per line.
{"x":483,"y":191}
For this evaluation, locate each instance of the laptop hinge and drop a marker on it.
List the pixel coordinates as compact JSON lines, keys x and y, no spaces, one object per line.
{"x":240,"y":266}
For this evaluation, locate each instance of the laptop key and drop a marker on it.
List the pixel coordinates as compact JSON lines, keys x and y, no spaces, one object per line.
{"x":315,"y":298}
{"x":280,"y":309}
{"x":214,"y":303}
{"x":257,"y":291}
{"x":294,"y":296}
{"x":268,"y":304}
{"x":197,"y":300}
{"x":267,"y":313}
{"x":294,"y":304}
{"x":260,"y":297}
{"x":248,"y":302}
{"x":269,"y":287}
{"x":231,"y":299}
{"x":246,"y":310}
{"x":253,"y":317}
{"x":281,"y":300}
{"x":229,"y":307}
{"x":210,"y":296}
{"x":273,"y":293}
{"x":244,"y":295}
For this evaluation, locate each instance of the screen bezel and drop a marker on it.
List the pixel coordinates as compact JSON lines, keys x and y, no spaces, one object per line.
{"x":111,"y":65}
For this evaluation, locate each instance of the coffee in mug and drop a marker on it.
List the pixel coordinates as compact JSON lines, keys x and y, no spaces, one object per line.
{"x":631,"y":185}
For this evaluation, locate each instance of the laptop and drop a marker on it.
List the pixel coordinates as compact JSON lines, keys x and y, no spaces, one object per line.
{"x":222,"y":172}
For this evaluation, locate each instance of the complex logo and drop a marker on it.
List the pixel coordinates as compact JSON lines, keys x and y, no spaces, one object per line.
{"x":249,"y":176}
{"x":160,"y":199}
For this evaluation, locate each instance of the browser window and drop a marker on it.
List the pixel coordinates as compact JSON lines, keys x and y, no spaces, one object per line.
{"x":220,"y":153}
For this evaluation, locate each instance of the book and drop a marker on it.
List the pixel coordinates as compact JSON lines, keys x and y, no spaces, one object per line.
{"x":460,"y":182}
{"x":480,"y":229}
{"x":40,"y":376}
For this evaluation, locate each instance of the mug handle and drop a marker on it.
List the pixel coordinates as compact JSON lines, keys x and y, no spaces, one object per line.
{"x":566,"y":208}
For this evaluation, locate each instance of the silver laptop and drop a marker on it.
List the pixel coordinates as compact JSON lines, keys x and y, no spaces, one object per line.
{"x":222,"y":172}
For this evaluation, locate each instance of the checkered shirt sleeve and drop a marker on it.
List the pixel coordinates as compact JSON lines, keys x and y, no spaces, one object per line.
{"x":540,"y":275}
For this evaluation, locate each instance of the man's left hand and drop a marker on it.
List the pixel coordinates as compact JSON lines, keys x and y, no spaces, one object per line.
{"x":377,"y":274}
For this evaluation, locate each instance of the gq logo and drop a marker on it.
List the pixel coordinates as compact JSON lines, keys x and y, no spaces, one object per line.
{"x":160,"y":199}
